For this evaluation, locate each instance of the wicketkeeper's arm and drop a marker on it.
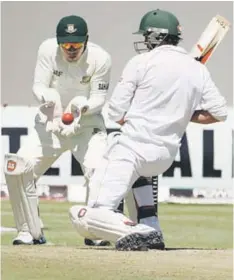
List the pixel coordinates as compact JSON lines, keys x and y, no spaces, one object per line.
{"x":99,"y":86}
{"x":42,"y":76}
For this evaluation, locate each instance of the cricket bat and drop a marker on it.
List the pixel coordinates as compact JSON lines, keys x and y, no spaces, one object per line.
{"x":210,"y":39}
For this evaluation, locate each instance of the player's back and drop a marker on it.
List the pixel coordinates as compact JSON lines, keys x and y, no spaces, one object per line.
{"x":169,"y":89}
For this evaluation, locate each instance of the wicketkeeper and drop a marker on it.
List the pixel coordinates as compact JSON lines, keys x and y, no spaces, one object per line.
{"x":71,"y":76}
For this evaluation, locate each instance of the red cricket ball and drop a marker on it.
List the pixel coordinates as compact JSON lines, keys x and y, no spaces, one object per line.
{"x":67,"y":118}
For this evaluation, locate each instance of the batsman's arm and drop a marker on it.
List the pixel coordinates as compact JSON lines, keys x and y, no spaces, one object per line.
{"x":211,"y":101}
{"x":99,"y":85}
{"x":43,"y":74}
{"x":123,"y":93}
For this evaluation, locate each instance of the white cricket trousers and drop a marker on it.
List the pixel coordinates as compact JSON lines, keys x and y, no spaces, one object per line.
{"x":44,"y":148}
{"x":124,"y":163}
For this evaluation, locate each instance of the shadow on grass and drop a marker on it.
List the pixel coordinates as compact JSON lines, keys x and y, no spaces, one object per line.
{"x":189,"y":248}
{"x":112,"y":248}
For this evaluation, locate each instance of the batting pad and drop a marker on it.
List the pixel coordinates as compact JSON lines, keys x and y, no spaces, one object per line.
{"x":19,"y":178}
{"x":102,"y":223}
{"x":132,"y":206}
{"x":144,"y":195}
{"x":138,"y":197}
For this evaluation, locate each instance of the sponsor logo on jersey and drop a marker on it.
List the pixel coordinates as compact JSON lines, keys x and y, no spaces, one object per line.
{"x":57,"y":73}
{"x":103,"y":86}
{"x":85,"y":80}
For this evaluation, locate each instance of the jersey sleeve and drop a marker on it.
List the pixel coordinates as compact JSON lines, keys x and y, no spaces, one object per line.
{"x":123,"y":93}
{"x":99,"y":85}
{"x":212,"y":100}
{"x":43,"y":73}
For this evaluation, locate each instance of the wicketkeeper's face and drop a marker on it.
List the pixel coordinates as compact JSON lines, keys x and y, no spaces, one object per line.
{"x":72,"y":51}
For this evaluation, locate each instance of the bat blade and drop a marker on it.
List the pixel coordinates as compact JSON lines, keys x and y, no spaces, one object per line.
{"x":210,"y":39}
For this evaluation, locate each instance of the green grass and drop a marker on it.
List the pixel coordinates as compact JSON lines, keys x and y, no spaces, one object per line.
{"x":206,"y":231}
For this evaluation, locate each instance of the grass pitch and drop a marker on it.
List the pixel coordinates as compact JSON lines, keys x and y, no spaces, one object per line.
{"x":199,"y":239}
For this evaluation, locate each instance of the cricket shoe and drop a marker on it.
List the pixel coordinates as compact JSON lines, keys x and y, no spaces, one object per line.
{"x":140,"y":242}
{"x":90,"y":242}
{"x":156,"y":242}
{"x":39,"y":241}
{"x":25,"y":238}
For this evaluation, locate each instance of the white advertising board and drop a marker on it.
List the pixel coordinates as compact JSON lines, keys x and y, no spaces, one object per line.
{"x":205,"y":159}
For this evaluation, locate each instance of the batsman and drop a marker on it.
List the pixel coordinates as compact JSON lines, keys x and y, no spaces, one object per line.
{"x":71,"y":79}
{"x":157,"y":96}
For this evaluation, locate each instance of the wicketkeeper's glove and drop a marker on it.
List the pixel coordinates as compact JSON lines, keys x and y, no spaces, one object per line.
{"x":77,"y":107}
{"x":46,"y":116}
{"x":50,"y":97}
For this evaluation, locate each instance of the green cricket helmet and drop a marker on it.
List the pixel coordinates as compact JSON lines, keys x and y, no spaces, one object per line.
{"x":158,"y":27}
